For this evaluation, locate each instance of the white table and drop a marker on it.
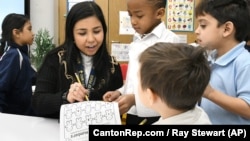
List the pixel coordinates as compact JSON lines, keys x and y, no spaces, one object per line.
{"x":27,"y":128}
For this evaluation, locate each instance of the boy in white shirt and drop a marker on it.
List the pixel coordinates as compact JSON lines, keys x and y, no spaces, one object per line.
{"x":146,"y":19}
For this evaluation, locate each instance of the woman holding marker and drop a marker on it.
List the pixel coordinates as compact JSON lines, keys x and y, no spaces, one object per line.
{"x":80,"y":69}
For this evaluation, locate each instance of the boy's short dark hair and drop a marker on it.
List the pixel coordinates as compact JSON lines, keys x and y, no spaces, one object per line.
{"x":248,"y":36}
{"x":236,"y":11}
{"x":177,"y":72}
{"x":158,"y":3}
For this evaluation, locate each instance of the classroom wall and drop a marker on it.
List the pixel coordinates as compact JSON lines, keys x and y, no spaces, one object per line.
{"x":44,"y":14}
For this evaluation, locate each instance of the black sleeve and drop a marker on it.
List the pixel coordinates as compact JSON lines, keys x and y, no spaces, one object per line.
{"x":34,"y":75}
{"x":117,"y":79}
{"x":114,"y":82}
{"x":50,"y":86}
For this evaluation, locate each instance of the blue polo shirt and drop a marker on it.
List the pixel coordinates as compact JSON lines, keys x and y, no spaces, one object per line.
{"x":230,"y":75}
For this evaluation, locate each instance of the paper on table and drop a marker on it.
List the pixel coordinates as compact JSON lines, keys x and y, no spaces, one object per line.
{"x":75,"y":118}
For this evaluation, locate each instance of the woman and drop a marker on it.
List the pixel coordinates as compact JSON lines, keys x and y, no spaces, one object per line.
{"x":84,"y":54}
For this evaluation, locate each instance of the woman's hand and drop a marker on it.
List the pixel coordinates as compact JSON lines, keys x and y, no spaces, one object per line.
{"x":77,"y":93}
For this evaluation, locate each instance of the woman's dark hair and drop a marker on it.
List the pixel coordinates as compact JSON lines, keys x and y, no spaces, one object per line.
{"x":78,"y":12}
{"x":10,"y":22}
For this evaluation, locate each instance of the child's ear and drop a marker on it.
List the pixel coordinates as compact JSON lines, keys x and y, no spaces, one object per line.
{"x":160,"y":13}
{"x":228,"y":28}
{"x":152,"y":97}
{"x":15,"y":32}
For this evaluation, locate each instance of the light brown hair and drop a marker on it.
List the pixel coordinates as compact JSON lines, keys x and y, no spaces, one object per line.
{"x":178,"y":73}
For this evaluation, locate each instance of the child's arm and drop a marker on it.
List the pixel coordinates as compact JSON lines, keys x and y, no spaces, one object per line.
{"x":111,"y":96}
{"x":125,"y":102}
{"x":233,"y":104}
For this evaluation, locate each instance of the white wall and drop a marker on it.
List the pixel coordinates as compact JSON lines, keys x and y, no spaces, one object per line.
{"x":44,"y":14}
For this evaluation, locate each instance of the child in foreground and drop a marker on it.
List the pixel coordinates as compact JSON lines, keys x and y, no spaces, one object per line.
{"x":172,"y":78}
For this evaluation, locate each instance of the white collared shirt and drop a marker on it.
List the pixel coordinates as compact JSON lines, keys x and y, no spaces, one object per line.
{"x":194,"y":116}
{"x":159,"y":34}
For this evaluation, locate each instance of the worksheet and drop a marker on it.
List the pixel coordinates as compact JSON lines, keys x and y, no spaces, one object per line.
{"x":75,"y":118}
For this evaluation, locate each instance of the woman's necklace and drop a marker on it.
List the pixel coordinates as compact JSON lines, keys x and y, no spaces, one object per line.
{"x":86,"y":72}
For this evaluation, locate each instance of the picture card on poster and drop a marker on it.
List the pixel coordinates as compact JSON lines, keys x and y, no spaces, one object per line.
{"x":180,"y":15}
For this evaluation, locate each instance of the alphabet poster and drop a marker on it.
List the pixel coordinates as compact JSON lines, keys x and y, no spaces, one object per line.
{"x":75,"y":118}
{"x":180,"y":15}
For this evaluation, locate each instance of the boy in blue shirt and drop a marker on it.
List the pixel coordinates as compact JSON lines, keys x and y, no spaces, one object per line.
{"x":223,"y":27}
